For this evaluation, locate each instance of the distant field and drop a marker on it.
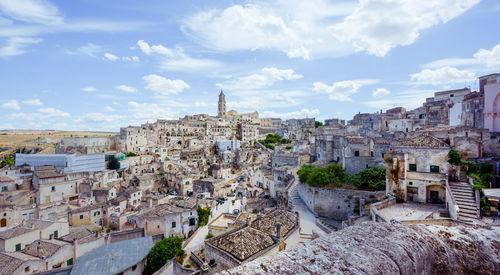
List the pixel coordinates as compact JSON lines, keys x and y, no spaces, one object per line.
{"x":45,"y":139}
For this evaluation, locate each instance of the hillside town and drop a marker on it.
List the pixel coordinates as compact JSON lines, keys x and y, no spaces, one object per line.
{"x":240,"y":190}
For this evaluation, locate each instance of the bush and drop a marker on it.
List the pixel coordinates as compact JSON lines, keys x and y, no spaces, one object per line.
{"x":209,"y":235}
{"x":372,"y":178}
{"x":187,"y":266}
{"x":270,"y":146}
{"x":321,"y":177}
{"x":203,"y":215}
{"x":162,"y":251}
{"x":131,"y":154}
{"x":318,"y":124}
{"x":454,"y":157}
{"x":8,"y":161}
{"x":288,"y":147}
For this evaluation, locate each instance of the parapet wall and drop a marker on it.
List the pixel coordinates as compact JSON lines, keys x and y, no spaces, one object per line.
{"x":336,"y":203}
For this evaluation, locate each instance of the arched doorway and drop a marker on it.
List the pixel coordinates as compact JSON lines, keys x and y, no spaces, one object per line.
{"x":3,"y":222}
{"x":496,"y":114}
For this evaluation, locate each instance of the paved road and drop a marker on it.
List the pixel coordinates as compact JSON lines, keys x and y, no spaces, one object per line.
{"x":307,"y":218}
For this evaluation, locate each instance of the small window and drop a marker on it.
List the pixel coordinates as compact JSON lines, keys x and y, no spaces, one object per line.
{"x":371,"y":153}
{"x":5,"y":188}
{"x":69,"y":262}
{"x":173,"y":224}
{"x":18,"y":247}
{"x":53,"y":188}
{"x":356,"y":153}
{"x":413,"y":167}
{"x":81,"y":217}
{"x":434,"y":169}
{"x":27,"y":269}
{"x":56,"y":234}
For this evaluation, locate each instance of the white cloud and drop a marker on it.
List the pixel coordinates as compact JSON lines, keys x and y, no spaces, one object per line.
{"x":410,"y":99}
{"x":109,"y":109}
{"x":17,"y":45}
{"x":252,"y":100}
{"x":296,"y":114}
{"x":377,"y":26}
{"x":380,"y":92}
{"x":42,"y":114}
{"x":266,"y":78}
{"x":131,"y":58}
{"x":340,"y":91}
{"x":148,"y":111}
{"x":201,"y":103}
{"x":31,"y":11}
{"x":164,"y":86}
{"x":11,"y":105}
{"x":34,"y":102}
{"x":51,"y":113}
{"x":297,"y":28}
{"x":489,"y":59}
{"x":90,"y":49}
{"x":176,"y":59}
{"x":89,"y":89}
{"x":125,"y":88}
{"x":442,"y":76}
{"x":111,"y":56}
{"x":317,"y":28}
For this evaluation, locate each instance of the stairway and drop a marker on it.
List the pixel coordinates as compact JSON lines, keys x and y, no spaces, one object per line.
{"x":465,"y":199}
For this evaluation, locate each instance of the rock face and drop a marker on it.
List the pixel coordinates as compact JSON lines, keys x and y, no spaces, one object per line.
{"x":381,"y":248}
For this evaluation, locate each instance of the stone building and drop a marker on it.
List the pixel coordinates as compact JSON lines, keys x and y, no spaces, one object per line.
{"x":222,"y":105}
{"x":490,"y":85}
{"x":266,"y":234}
{"x":417,"y":169}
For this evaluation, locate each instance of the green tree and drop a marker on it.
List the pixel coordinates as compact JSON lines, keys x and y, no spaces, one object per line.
{"x":373,"y":178}
{"x":203,"y":215}
{"x":455,"y":159}
{"x":318,"y":124}
{"x":8,"y":161}
{"x":162,"y":251}
{"x":113,"y":163}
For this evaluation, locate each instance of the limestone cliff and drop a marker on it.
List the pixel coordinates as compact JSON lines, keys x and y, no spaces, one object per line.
{"x":380,"y":248}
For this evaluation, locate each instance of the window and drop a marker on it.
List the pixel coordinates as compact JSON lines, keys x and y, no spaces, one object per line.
{"x":356,"y":153}
{"x":434,"y":169}
{"x":53,"y":188}
{"x":18,"y":247}
{"x":173,"y":224}
{"x":56,"y":234}
{"x":371,"y":153}
{"x":413,"y":167}
{"x":192,"y":222}
{"x":112,"y":194}
{"x":27,"y":269}
{"x":383,"y":155}
{"x":5,"y":188}
{"x":81,"y":217}
{"x":69,"y":262}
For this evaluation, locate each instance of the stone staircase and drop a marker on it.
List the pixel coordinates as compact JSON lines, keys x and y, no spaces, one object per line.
{"x":465,"y":199}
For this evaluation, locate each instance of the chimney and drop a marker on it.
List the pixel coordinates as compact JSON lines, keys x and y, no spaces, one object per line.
{"x":75,"y":248}
{"x":248,"y":221}
{"x":278,"y":232}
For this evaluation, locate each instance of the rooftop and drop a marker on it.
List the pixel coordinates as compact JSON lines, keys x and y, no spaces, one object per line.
{"x":113,"y":258}
{"x":267,"y":223}
{"x":14,"y":232}
{"x":8,"y":264}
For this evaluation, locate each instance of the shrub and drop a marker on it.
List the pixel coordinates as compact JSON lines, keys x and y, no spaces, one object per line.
{"x":321,"y":177}
{"x":203,"y":215}
{"x":288,"y":147}
{"x":209,"y":235}
{"x":454,"y":157}
{"x":270,"y":146}
{"x":131,"y":154}
{"x":187,"y":266}
{"x":162,"y":251}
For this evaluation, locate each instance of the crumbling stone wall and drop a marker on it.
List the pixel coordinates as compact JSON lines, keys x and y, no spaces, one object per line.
{"x":382,"y":248}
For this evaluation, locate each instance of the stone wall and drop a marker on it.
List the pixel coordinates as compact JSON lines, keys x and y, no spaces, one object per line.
{"x":336,"y":204}
{"x":381,"y":248}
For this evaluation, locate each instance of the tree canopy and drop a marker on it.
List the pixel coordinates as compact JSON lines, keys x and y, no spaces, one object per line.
{"x":203,"y":215}
{"x":162,"y":251}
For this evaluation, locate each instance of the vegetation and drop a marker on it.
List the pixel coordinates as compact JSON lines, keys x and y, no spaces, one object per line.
{"x":288,"y":147}
{"x":131,"y":154}
{"x":270,"y":146}
{"x":113,"y":163}
{"x":320,"y":177}
{"x":371,"y":178}
{"x":203,"y":215}
{"x":162,"y":251}
{"x":272,"y":139}
{"x":454,"y":157}
{"x":335,"y":176}
{"x":187,"y":266}
{"x":209,"y":235}
{"x":318,"y":124}
{"x":8,"y":161}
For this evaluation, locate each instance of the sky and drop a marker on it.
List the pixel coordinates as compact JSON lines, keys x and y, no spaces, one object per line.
{"x":100,"y":65}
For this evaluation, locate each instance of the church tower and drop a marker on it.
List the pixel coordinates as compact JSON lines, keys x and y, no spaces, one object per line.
{"x":222,"y":105}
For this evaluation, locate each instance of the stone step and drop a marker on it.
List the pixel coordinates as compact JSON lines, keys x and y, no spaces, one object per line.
{"x":463,"y":196}
{"x":468,"y":212}
{"x":467,"y":208}
{"x":461,"y":186}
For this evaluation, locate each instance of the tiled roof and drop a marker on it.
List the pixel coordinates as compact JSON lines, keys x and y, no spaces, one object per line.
{"x":14,"y":232}
{"x":267,"y":223}
{"x":422,"y":141}
{"x":8,"y":264}
{"x":83,"y":236}
{"x":37,"y":224}
{"x":41,"y":248}
{"x":87,"y":208}
{"x":243,"y":243}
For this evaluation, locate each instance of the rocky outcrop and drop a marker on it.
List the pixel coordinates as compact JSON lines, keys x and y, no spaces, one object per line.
{"x":382,"y":248}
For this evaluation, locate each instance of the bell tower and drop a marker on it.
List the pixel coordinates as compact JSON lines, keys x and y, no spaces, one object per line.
{"x":222,"y":105}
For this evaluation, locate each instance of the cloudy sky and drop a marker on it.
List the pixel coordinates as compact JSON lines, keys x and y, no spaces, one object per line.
{"x":102,"y":65}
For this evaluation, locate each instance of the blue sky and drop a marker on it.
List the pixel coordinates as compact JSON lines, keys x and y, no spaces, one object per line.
{"x":102,"y":65}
